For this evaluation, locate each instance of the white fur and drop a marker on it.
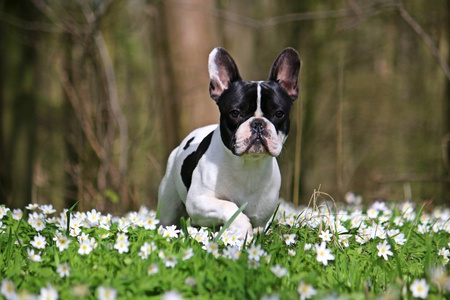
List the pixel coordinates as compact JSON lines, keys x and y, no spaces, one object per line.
{"x":258,"y":112}
{"x":221,"y":183}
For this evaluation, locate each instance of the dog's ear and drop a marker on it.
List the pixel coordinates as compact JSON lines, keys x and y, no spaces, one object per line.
{"x":222,"y":71}
{"x":285,"y":71}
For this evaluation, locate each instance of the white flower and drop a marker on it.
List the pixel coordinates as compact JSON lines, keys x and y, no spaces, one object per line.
{"x":253,"y":264}
{"x":380,"y":206}
{"x":278,"y":271}
{"x":344,"y":239}
{"x":152,"y":269}
{"x":188,"y":254}
{"x":407,"y":207}
{"x":8,"y":289}
{"x":308,"y":247}
{"x":423,"y":228}
{"x":47,"y":209}
{"x":211,"y":247}
{"x":372,"y":213}
{"x":291,"y":252}
{"x":171,"y":232}
{"x":444,"y":253}
{"x":150,"y":223}
{"x":352,"y":199}
{"x":398,"y":221}
{"x":229,"y":237}
{"x":74,"y":231}
{"x":105,"y":222}
{"x":85,"y":248}
{"x":3,"y":211}
{"x":170,"y":261}
{"x":122,"y":246}
{"x":17,"y":214}
{"x":446,"y":260}
{"x":362,"y":239}
{"x":258,"y":230}
{"x":383,"y":250}
{"x":93,"y":243}
{"x":270,"y":297}
{"x":232,"y":253}
{"x":419,"y":288}
{"x":122,"y":237}
{"x":32,"y":206}
{"x":357,"y":222}
{"x":123,"y":225}
{"x":93,"y":217}
{"x":289,"y":239}
{"x":255,"y":252}
{"x":400,"y":239}
{"x":106,"y":293}
{"x":133,"y":217}
{"x":37,"y":223}
{"x":172,"y":295}
{"x":305,"y":291}
{"x":325,"y":236}
{"x":39,"y":242}
{"x":147,"y":249}
{"x":190,"y":281}
{"x":63,"y":270}
{"x":83,"y":237}
{"x":200,"y":236}
{"x":48,"y":293}
{"x":34,"y":256}
{"x":323,"y":254}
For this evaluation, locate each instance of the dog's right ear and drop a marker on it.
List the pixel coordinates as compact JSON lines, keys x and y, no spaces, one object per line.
{"x":222,"y":71}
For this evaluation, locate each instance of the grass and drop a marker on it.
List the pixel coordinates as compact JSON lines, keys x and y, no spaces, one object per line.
{"x":131,"y":257}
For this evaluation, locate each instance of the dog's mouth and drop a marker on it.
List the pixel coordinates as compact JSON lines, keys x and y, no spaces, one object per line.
{"x":257,"y":144}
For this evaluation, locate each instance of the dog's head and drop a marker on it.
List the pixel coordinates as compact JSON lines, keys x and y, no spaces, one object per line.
{"x":254,"y":115}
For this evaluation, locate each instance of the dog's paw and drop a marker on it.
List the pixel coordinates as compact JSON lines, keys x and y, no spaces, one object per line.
{"x":242,"y":226}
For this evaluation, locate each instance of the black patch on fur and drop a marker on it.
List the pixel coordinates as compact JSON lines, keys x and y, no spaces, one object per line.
{"x":188,"y":143}
{"x":191,"y":161}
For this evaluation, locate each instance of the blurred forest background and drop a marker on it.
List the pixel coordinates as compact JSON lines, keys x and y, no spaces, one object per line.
{"x":95,"y":94}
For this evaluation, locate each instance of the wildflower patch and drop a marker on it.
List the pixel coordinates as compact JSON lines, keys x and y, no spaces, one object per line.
{"x":386,"y":249}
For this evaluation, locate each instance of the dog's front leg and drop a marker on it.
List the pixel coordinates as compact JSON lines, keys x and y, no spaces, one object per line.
{"x":209,"y":211}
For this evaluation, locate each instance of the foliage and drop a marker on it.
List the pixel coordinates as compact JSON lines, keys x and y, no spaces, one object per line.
{"x":127,"y":257}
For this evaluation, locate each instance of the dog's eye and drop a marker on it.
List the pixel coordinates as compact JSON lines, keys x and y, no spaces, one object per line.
{"x":235,"y":114}
{"x":279,"y":114}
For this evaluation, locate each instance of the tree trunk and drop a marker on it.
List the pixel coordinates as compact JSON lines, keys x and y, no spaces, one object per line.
{"x":446,"y":141}
{"x":4,"y":178}
{"x":72,"y":130}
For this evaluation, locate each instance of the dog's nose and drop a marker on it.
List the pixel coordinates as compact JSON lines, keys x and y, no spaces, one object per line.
{"x":258,"y":126}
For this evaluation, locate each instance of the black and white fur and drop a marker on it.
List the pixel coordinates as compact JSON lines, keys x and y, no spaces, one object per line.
{"x":218,"y":168}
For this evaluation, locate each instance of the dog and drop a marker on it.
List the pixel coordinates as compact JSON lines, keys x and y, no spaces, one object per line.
{"x":218,"y":168}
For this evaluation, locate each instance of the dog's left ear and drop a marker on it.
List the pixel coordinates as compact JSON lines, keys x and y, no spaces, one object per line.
{"x":285,"y":71}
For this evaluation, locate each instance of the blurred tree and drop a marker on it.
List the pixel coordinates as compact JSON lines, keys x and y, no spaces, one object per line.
{"x":95,"y":94}
{"x":19,"y":127}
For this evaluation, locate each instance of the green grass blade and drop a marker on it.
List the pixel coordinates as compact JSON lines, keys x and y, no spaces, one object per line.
{"x":228,"y":223}
{"x":68,"y":217}
{"x":271,"y":223}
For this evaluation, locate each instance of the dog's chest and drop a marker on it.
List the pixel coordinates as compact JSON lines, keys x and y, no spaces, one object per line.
{"x":255,"y":181}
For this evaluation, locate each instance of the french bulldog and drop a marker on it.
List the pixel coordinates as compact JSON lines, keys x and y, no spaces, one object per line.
{"x":218,"y":168}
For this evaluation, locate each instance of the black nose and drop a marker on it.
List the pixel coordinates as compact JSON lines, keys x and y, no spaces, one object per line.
{"x":258,"y":126}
